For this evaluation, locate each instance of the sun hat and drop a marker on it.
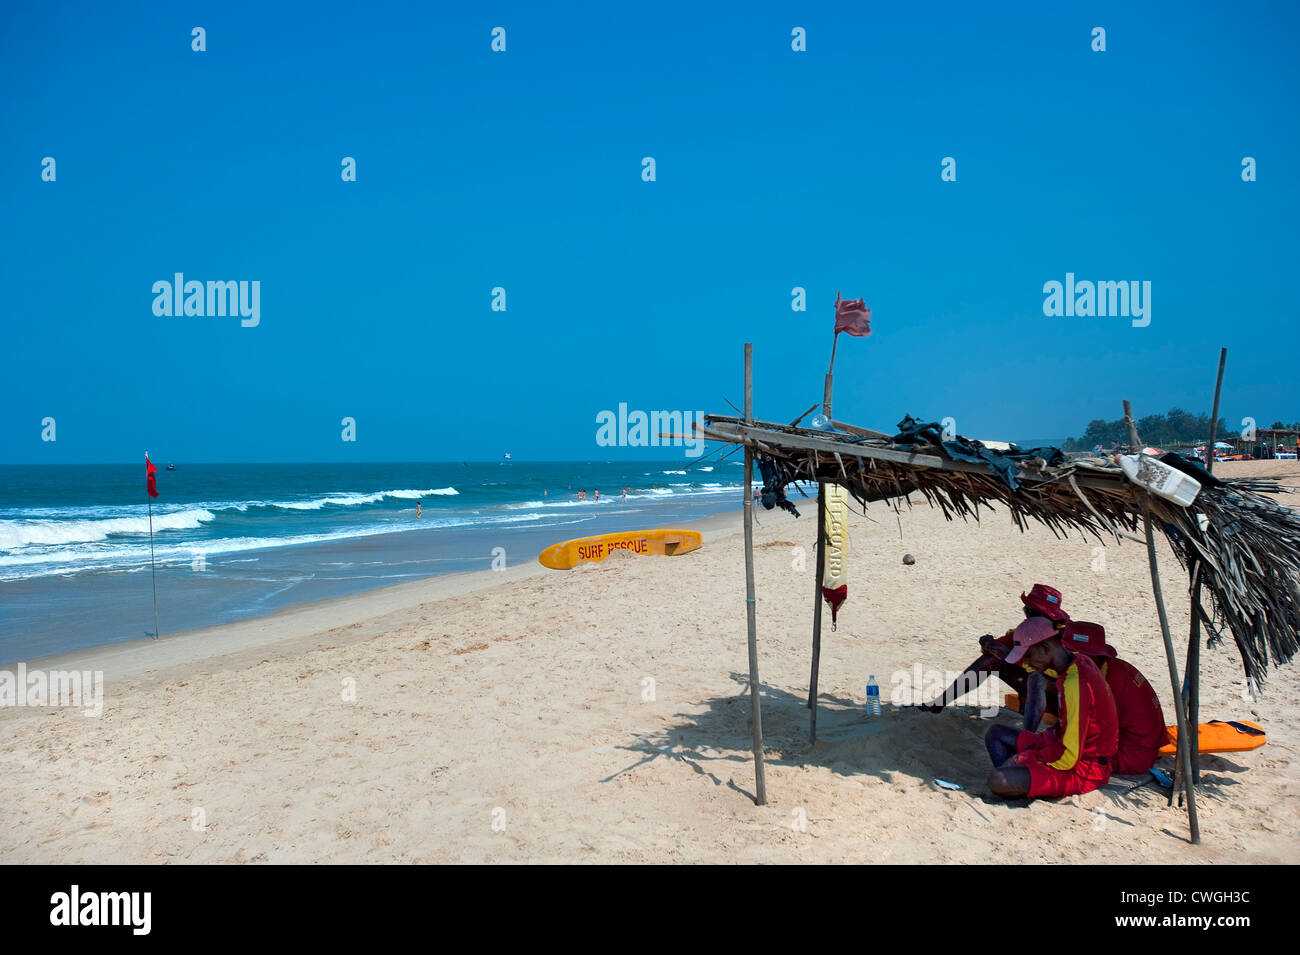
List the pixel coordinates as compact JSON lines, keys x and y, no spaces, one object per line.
{"x":1079,"y":636}
{"x":1045,"y":599}
{"x":1032,"y":631}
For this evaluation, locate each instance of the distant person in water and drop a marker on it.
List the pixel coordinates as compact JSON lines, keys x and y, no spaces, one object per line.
{"x":582,"y":495}
{"x":597,"y":492}
{"x":624,"y":495}
{"x":417,"y":510}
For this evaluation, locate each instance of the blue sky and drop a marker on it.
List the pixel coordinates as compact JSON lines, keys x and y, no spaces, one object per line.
{"x":522,"y":169}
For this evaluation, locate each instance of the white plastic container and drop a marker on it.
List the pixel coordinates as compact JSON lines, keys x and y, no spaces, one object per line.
{"x":1160,"y":478}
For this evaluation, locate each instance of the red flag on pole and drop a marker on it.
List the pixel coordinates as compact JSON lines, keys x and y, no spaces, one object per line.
{"x":149,"y":472}
{"x":852,"y":316}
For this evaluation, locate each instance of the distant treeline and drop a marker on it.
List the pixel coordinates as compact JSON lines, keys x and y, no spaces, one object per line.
{"x":1174,"y":428}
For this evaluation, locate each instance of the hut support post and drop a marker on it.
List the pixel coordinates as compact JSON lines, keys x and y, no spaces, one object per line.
{"x":1193,"y":675}
{"x":755,"y":704}
{"x":817,"y":610}
{"x":821,"y":562}
{"x":1194,"y":641}
{"x":1184,"y":753}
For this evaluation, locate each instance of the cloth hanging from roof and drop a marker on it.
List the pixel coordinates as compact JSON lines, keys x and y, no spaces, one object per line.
{"x":1005,"y":463}
{"x":776,"y":475}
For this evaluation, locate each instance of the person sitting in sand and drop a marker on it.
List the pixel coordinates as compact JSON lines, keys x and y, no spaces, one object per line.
{"x":1073,"y":755}
{"x":1137,"y":707}
{"x":1036,"y":696}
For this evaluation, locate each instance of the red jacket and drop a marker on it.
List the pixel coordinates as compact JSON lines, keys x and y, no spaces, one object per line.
{"x":1141,"y":720}
{"x":1088,"y":727}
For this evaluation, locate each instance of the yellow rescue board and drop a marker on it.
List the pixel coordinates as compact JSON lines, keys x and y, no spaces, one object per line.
{"x":1218,"y":738}
{"x":665,"y":542}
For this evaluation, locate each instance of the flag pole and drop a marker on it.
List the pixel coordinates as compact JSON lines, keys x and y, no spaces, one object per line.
{"x":830,"y":370}
{"x":821,"y":550}
{"x":153,"y":567}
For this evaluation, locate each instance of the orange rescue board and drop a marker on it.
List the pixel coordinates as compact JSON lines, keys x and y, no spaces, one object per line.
{"x":1218,"y":738}
{"x":663,"y":542}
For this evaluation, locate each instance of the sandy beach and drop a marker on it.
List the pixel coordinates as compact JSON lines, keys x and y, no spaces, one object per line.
{"x":602,"y":715}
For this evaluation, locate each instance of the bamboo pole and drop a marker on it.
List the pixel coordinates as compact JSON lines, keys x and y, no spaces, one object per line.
{"x":817,"y":609}
{"x":1183,"y":755}
{"x":1192,"y":674}
{"x":153,"y":566}
{"x":1194,"y":640}
{"x":755,"y":704}
{"x":821,"y":548}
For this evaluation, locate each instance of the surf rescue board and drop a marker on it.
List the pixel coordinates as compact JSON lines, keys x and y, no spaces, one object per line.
{"x":663,"y":542}
{"x":1220,"y":736}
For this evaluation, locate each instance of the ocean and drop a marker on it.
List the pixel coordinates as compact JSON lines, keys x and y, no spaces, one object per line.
{"x":233,"y":541}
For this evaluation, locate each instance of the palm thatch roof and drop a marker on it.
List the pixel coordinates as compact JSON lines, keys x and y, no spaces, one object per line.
{"x":1247,"y":546}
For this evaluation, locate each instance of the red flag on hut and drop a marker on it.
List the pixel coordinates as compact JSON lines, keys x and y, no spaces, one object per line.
{"x":852,"y":316}
{"x":149,"y":472}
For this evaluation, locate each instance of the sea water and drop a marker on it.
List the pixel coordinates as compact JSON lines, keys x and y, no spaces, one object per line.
{"x":233,"y":541}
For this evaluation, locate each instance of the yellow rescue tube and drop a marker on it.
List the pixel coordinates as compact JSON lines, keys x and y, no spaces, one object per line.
{"x":835,"y":572}
{"x":662,"y":541}
{"x":1219,"y":737}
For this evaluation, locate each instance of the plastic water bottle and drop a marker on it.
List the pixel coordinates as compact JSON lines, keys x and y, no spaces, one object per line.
{"x":873,"y":697}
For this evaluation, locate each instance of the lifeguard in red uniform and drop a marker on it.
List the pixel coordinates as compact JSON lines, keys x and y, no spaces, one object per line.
{"x":1141,"y":719}
{"x":1072,"y":756}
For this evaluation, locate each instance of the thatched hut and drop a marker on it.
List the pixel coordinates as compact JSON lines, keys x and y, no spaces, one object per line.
{"x":1236,"y":544}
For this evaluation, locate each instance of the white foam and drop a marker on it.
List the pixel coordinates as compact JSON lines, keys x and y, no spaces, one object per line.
{"x":348,"y":499}
{"x":14,"y":534}
{"x":89,"y":557}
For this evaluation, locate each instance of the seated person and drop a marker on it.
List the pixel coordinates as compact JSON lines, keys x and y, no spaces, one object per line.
{"x":1141,"y":720}
{"x":1073,"y":755}
{"x":1036,"y":696}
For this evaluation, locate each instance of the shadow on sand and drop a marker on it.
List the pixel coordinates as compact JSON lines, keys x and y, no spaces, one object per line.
{"x":902,"y":743}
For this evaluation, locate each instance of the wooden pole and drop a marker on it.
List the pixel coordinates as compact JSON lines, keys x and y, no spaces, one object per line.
{"x":817,"y":608}
{"x":755,"y":705}
{"x":153,"y":567}
{"x":1194,"y":640}
{"x":821,"y":551}
{"x":1184,"y":753}
{"x":821,"y":558}
{"x":1214,"y":415}
{"x":1193,"y":673}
